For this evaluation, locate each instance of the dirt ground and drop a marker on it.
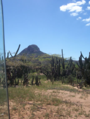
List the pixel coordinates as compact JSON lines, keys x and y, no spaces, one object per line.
{"x":75,"y":105}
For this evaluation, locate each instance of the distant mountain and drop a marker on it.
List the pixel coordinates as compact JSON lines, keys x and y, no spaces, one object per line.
{"x":31,"y":49}
{"x":35,"y":57}
{"x":34,"y":50}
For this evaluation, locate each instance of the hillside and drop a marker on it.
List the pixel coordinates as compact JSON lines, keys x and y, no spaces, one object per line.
{"x":33,"y":55}
{"x":30,"y":50}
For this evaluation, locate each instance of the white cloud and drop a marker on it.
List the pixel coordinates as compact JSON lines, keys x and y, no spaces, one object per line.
{"x":67,"y":7}
{"x":76,"y":9}
{"x":79,"y":18}
{"x":87,"y":20}
{"x":74,"y":14}
{"x":88,"y":24}
{"x":88,"y":8}
{"x":81,"y":2}
{"x":89,"y":2}
{"x":73,"y":6}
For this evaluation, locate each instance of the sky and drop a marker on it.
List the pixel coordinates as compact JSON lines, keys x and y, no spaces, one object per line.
{"x":52,"y":25}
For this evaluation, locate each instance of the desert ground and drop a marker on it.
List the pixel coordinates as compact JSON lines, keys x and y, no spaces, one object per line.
{"x":47,"y":101}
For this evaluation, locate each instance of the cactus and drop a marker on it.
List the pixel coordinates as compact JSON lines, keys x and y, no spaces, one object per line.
{"x":32,"y":80}
{"x":70,"y":80}
{"x":85,"y":68}
{"x":7,"y":54}
{"x":15,"y":53}
{"x":10,"y":54}
{"x":37,"y":80}
{"x":59,"y":68}
{"x":25,"y":82}
{"x":70,"y":62}
{"x":80,"y":65}
{"x":52,"y":62}
{"x":17,"y":50}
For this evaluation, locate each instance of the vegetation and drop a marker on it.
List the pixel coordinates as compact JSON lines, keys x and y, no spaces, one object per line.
{"x":37,"y":74}
{"x":45,"y":101}
{"x":55,"y":68}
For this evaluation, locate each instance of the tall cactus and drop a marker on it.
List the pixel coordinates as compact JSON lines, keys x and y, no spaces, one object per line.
{"x":85,"y":68}
{"x":10,"y":54}
{"x":80,"y":64}
{"x":15,"y":53}
{"x":59,"y":68}
{"x":52,"y":62}
{"x":71,"y":66}
{"x":7,"y":54}
{"x":89,"y":55}
{"x":70,"y":62}
{"x":17,"y":50}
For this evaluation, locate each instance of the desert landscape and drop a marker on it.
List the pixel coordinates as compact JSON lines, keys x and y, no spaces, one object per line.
{"x":49,"y":101}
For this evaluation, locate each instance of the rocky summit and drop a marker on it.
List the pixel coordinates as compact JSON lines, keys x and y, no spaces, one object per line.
{"x":31,"y":49}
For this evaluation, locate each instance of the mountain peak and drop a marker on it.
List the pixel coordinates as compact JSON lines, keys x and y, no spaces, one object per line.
{"x":31,"y":49}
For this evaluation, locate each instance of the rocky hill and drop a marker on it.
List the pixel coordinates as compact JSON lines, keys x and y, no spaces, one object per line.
{"x":35,"y":51}
{"x":31,"y":50}
{"x":34,"y":55}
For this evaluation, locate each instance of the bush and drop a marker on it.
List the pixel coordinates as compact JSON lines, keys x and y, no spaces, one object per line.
{"x":70,"y":79}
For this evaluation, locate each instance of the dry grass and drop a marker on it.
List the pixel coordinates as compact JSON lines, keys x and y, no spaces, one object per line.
{"x":49,"y":101}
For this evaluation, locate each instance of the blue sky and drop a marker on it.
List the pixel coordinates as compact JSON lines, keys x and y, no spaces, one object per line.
{"x":50,"y":24}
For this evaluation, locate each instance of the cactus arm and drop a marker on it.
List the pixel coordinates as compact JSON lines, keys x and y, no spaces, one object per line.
{"x":17,"y":50}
